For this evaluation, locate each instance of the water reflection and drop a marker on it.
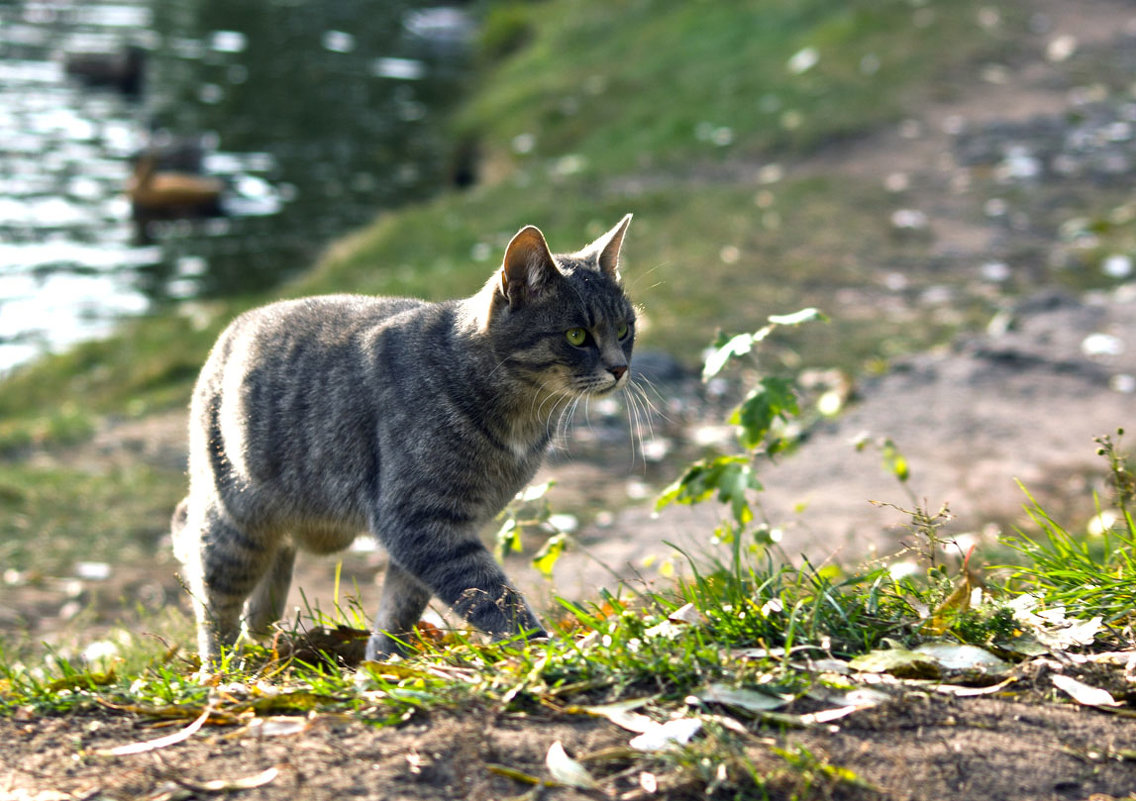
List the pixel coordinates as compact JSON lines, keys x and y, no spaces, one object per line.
{"x":310,"y":115}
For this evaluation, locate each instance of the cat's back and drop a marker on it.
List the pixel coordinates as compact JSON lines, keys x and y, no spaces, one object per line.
{"x":306,"y":335}
{"x":318,"y":320}
{"x":291,"y":391}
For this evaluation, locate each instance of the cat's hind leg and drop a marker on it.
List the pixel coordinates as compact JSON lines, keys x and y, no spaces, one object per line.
{"x":266,"y":604}
{"x":403,"y":600}
{"x":223,"y":565}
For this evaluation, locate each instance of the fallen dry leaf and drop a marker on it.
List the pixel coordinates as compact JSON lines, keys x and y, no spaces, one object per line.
{"x":161,"y":742}
{"x":751,"y":700}
{"x":566,"y":770}
{"x":622,"y":714}
{"x":959,"y":691}
{"x":1082,"y":693}
{"x":278,"y":726}
{"x":664,"y":735}
{"x":685,"y":614}
{"x":229,"y":785}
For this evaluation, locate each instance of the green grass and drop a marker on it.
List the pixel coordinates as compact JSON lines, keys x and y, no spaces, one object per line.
{"x":687,"y":286}
{"x":1093,"y":572}
{"x":630,"y":86}
{"x":148,"y":364}
{"x":52,"y":517}
{"x":743,"y":625}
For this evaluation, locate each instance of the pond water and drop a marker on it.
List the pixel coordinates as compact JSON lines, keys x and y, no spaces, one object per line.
{"x":312,"y":116}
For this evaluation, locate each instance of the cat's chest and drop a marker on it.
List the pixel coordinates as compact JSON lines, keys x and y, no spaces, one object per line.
{"x":502,"y":480}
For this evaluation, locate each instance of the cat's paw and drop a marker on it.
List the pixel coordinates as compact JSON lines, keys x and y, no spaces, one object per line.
{"x":382,"y":647}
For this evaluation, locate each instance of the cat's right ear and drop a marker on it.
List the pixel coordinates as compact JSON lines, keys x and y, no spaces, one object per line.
{"x":528,"y":267}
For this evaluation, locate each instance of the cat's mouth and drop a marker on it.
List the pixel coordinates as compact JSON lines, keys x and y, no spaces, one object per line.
{"x":602,"y":385}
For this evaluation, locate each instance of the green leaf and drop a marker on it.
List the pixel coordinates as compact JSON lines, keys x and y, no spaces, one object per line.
{"x":546,"y":558}
{"x":771,"y":399}
{"x":730,"y":476}
{"x":700,"y":481}
{"x":735,"y":346}
{"x":798,"y":318}
{"x":732,"y":489}
{"x":508,"y":539}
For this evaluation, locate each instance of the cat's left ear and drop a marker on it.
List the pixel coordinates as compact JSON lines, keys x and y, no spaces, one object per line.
{"x":606,"y":248}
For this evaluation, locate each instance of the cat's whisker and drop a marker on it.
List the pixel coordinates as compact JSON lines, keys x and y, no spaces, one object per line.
{"x":641,"y":384}
{"x":653,"y":412}
{"x":635,"y":418}
{"x":500,"y":364}
{"x":567,"y":415}
{"x":555,"y":424}
{"x":636,"y":283}
{"x":559,"y":401}
{"x":559,"y":413}
{"x":564,"y":420}
{"x":545,"y":397}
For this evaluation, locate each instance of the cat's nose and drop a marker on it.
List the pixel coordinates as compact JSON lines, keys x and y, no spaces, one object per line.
{"x":618,"y":371}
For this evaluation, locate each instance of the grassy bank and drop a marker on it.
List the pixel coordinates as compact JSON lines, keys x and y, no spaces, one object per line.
{"x":661,"y":108}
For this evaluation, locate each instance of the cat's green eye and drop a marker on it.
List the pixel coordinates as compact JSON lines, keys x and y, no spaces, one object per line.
{"x":576,"y":336}
{"x":623,"y":330}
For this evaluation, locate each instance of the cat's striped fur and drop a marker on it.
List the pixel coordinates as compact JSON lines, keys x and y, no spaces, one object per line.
{"x":314,"y":420}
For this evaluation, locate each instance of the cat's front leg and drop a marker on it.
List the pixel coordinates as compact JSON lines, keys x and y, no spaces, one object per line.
{"x":403,"y":601}
{"x":459,"y":569}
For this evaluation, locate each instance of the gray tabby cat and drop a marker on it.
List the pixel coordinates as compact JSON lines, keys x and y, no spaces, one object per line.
{"x":316,"y":419}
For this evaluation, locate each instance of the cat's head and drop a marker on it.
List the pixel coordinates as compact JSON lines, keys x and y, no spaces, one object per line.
{"x":561,"y":322}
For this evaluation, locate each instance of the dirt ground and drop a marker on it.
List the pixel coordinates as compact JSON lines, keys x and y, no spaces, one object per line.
{"x":1019,"y":401}
{"x":921,"y":746}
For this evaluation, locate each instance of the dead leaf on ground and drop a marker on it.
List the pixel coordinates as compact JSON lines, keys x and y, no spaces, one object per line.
{"x":757,"y":700}
{"x":621,"y":713}
{"x":230,"y":785}
{"x":931,"y":661}
{"x":665,"y":735}
{"x":960,"y":691}
{"x":1083,"y":693}
{"x":899,"y":662}
{"x":277,"y":726}
{"x":161,"y":742}
{"x":566,"y":770}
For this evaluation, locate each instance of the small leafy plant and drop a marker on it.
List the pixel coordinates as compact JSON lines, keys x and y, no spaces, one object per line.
{"x":760,"y":421}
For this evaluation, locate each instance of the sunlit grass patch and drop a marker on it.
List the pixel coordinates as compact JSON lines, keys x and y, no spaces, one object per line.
{"x":147,"y":364}
{"x":818,"y":241}
{"x":625,"y":87}
{"x":702,"y":678}
{"x":1091,"y":573}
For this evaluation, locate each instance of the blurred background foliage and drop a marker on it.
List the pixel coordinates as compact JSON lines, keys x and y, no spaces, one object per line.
{"x":561,"y":113}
